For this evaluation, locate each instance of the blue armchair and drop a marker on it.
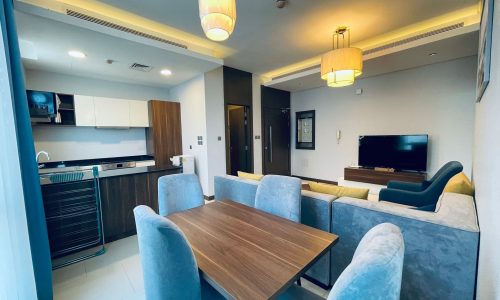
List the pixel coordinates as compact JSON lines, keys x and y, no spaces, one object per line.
{"x":425,"y":194}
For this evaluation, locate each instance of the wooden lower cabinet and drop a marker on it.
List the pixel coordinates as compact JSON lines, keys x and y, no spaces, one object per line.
{"x":121,"y":194}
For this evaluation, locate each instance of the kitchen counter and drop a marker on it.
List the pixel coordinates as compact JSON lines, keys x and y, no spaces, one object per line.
{"x":54,"y":171}
{"x":137,"y":170}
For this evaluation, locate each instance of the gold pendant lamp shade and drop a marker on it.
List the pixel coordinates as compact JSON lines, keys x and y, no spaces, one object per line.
{"x":343,"y":64}
{"x":217,"y":18}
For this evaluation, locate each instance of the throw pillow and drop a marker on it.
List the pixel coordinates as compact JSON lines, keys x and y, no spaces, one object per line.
{"x":339,"y":191}
{"x":460,"y":184}
{"x":251,"y":176}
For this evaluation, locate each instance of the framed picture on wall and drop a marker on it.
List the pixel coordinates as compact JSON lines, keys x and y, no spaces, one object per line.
{"x":484,"y":53}
{"x":305,"y":135}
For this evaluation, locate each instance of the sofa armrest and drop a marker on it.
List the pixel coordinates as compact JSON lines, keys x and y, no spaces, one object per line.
{"x":406,"y":186}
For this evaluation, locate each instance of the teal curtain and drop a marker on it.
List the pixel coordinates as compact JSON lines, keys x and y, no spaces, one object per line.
{"x":35,"y":214}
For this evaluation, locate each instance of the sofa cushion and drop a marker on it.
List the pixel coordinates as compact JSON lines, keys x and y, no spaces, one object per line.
{"x":460,"y":184}
{"x":339,"y":191}
{"x":251,"y":176}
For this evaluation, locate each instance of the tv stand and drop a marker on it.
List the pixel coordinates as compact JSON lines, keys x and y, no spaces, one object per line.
{"x":381,"y":177}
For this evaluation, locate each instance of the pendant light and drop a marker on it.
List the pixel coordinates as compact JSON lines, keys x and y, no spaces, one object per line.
{"x":343,"y":64}
{"x":217,"y":18}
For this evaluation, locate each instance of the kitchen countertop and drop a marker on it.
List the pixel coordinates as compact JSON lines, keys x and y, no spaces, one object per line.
{"x":56,"y":171}
{"x":136,"y":170}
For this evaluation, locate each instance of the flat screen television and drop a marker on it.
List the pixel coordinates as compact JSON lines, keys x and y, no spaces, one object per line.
{"x":401,"y":152}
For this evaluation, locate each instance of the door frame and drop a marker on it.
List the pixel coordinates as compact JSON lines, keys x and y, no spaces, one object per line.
{"x":249,"y":136}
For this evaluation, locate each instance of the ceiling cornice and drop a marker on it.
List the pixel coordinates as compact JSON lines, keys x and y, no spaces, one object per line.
{"x":470,"y":16}
{"x":124,"y":18}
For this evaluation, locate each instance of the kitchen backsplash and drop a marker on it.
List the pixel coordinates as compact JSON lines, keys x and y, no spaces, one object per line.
{"x":74,"y":143}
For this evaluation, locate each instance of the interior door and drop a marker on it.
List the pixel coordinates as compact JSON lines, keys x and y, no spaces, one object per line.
{"x":238,"y":139}
{"x":276,"y":134}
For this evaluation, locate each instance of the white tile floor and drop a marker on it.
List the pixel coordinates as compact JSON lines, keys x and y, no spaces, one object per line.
{"x":114,"y":275}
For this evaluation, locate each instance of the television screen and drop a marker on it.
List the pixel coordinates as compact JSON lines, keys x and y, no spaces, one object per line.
{"x":41,"y":104}
{"x":401,"y":152}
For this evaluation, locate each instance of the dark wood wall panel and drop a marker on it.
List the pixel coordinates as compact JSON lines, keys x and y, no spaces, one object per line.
{"x":238,"y":91}
{"x":237,"y":87}
{"x":164,"y":136}
{"x":274,"y":98}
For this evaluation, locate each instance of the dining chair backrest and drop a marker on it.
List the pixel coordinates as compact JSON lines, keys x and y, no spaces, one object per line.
{"x":168,"y":263}
{"x":279,"y":195}
{"x":179,"y":192}
{"x":376,"y":269}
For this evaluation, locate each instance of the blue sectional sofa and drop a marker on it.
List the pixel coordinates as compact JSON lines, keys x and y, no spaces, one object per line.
{"x":441,"y":247}
{"x":315,"y":212}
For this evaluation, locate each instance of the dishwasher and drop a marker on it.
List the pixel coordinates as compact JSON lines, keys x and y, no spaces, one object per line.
{"x":73,"y":214}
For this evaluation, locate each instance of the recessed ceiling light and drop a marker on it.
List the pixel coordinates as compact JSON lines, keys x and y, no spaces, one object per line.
{"x":76,"y":54}
{"x":432,"y":54}
{"x":166,"y":72}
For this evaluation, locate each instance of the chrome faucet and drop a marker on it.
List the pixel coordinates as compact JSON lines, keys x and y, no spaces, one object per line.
{"x":38,"y":156}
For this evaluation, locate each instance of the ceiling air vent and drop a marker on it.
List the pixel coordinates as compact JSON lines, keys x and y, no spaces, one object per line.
{"x":414,"y":38}
{"x":101,"y":22}
{"x":140,"y":67}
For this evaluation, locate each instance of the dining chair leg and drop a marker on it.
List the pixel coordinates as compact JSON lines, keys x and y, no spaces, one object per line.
{"x":299,"y":283}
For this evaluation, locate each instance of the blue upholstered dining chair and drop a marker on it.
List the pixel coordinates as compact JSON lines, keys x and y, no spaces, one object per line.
{"x":280,"y":196}
{"x":179,"y":192}
{"x":375,"y":271}
{"x":168,"y":263}
{"x":424,"y":195}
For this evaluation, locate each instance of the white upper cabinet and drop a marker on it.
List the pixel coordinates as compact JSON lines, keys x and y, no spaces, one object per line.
{"x":84,"y":110}
{"x":139,"y":113}
{"x":111,"y":112}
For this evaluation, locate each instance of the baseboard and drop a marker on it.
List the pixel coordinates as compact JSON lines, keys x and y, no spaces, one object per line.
{"x":316,"y":180}
{"x":208,"y":198}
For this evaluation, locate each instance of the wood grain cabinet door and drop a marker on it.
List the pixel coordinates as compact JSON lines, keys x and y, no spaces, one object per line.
{"x":165,"y":135}
{"x":119,"y":196}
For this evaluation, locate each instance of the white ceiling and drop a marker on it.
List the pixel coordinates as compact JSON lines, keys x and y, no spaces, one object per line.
{"x":266,"y":38}
{"x":52,"y":40}
{"x":447,"y":49}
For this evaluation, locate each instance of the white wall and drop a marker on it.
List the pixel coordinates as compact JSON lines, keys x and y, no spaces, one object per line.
{"x":191,"y":95}
{"x":214,"y":108}
{"x":202,"y":114}
{"x":74,"y":143}
{"x":62,"y":83}
{"x":437,"y":100}
{"x":486,"y":175}
{"x":257,"y":123}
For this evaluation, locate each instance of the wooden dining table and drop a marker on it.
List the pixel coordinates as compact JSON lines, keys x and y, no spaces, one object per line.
{"x":246,"y":253}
